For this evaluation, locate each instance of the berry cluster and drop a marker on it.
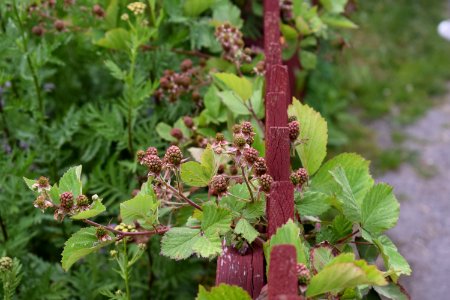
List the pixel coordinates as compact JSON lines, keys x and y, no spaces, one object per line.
{"x":299,"y":178}
{"x":230,"y":38}
{"x":42,"y":184}
{"x":174,"y":85}
{"x":286,"y":7}
{"x":155,"y":165}
{"x":219,"y":186}
{"x":125,"y":228}
{"x":304,"y":276}
{"x":294,"y":129}
{"x":102,"y":234}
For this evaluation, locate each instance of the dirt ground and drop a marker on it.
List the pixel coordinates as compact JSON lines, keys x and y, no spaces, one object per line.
{"x":423,"y":188}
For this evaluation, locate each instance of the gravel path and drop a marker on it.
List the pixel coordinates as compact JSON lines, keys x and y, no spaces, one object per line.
{"x":423,"y":231}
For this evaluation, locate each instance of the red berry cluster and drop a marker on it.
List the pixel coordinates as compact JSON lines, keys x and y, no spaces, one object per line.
{"x":230,"y":38}
{"x":174,"y":85}
{"x":66,"y":200}
{"x":286,"y":10}
{"x":294,"y":129}
{"x":299,"y":178}
{"x":155,"y":165}
{"x":265,"y":183}
{"x":304,"y":276}
{"x":219,"y":186}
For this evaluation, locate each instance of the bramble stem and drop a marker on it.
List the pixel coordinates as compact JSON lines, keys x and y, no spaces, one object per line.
{"x":180,"y":195}
{"x":248,"y":184}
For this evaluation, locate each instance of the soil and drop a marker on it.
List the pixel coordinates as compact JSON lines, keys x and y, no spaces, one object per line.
{"x":423,"y":188}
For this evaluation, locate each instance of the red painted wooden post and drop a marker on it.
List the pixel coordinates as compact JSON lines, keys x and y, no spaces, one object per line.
{"x":283,"y":280}
{"x":246,"y":271}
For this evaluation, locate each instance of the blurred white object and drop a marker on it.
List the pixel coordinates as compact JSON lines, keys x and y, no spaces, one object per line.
{"x":444,"y":29}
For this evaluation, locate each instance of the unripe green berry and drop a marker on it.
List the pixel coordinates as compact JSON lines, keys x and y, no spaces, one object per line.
{"x":239,"y":140}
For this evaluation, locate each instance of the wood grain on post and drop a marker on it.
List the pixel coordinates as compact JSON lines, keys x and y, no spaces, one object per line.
{"x":246,"y":271}
{"x":283,"y":280}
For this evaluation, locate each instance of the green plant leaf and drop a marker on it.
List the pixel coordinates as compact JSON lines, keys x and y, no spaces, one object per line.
{"x":29,"y":183}
{"x":320,"y":256}
{"x":225,"y":11}
{"x":356,"y":170}
{"x":208,"y":161}
{"x":163,"y":131}
{"x":96,"y":208}
{"x":208,"y":246}
{"x":344,"y":272}
{"x":115,"y":70}
{"x":308,"y":59}
{"x":233,"y":103}
{"x":80,"y":244}
{"x":289,"y":233}
{"x":310,"y":203}
{"x":380,"y":209}
{"x":199,"y":174}
{"x":313,"y":129}
{"x":116,"y":39}
{"x":212,"y":101}
{"x":142,"y":208}
{"x":338,"y":21}
{"x":334,"y":6}
{"x":351,"y":207}
{"x":394,"y":262}
{"x":240,"y":85}
{"x":111,"y":14}
{"x":216,"y":220}
{"x":246,"y":229}
{"x":254,"y":210}
{"x":193,"y":8}
{"x":223,"y":291}
{"x":71,"y":181}
{"x":392,"y":291}
{"x":178,"y":242}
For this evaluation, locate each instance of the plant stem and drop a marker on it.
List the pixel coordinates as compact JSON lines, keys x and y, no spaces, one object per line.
{"x":346,"y":237}
{"x":3,"y":226}
{"x":258,"y":121}
{"x":125,"y":271}
{"x":29,"y":62}
{"x":248,"y":184}
{"x":162,"y":230}
{"x":180,"y":195}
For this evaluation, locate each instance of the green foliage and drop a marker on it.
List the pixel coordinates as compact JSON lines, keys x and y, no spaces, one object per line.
{"x":344,"y":272}
{"x":199,"y":174}
{"x":79,"y":245}
{"x":223,"y":291}
{"x":143,"y":209}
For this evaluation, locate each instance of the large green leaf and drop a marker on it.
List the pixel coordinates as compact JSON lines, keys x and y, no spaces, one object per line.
{"x":392,"y":291}
{"x":344,"y":272}
{"x":394,"y":262}
{"x":334,"y":6}
{"x":351,"y":206}
{"x":247,"y":230}
{"x":96,"y":208}
{"x":79,"y":245}
{"x":223,"y":291}
{"x":143,"y":208}
{"x":233,"y":103}
{"x":313,"y":130}
{"x":216,"y":220}
{"x":117,"y":39}
{"x":199,"y":174}
{"x":240,"y":85}
{"x":178,"y":242}
{"x":212,"y":101}
{"x":380,"y":209}
{"x":71,"y":181}
{"x":289,"y":233}
{"x":225,"y":11}
{"x":310,"y":203}
{"x":208,"y":246}
{"x":320,"y":256}
{"x":356,"y":170}
{"x":193,"y":8}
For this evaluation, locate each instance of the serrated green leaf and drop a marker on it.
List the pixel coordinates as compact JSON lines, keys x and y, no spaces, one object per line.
{"x":391,"y":291}
{"x":143,"y":208}
{"x":212,"y":101}
{"x":366,"y":251}
{"x":116,"y":39}
{"x":208,"y":246}
{"x":178,"y":242}
{"x":79,"y":245}
{"x":255,"y":210}
{"x":194,"y":174}
{"x":320,"y":256}
{"x":114,"y":70}
{"x":312,"y":203}
{"x":71,"y":181}
{"x":246,"y":229}
{"x":289,"y":233}
{"x":216,"y":220}
{"x":351,"y":207}
{"x":208,"y":161}
{"x":233,"y":103}
{"x":240,"y":85}
{"x":193,"y":8}
{"x":356,"y":170}
{"x":223,"y":291}
{"x":29,"y":183}
{"x":344,"y":272}
{"x":393,"y":260}
{"x":233,"y":200}
{"x":163,"y":131}
{"x":380,"y":209}
{"x":334,"y":6}
{"x":313,"y":130}
{"x":96,"y":208}
{"x":225,"y":11}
